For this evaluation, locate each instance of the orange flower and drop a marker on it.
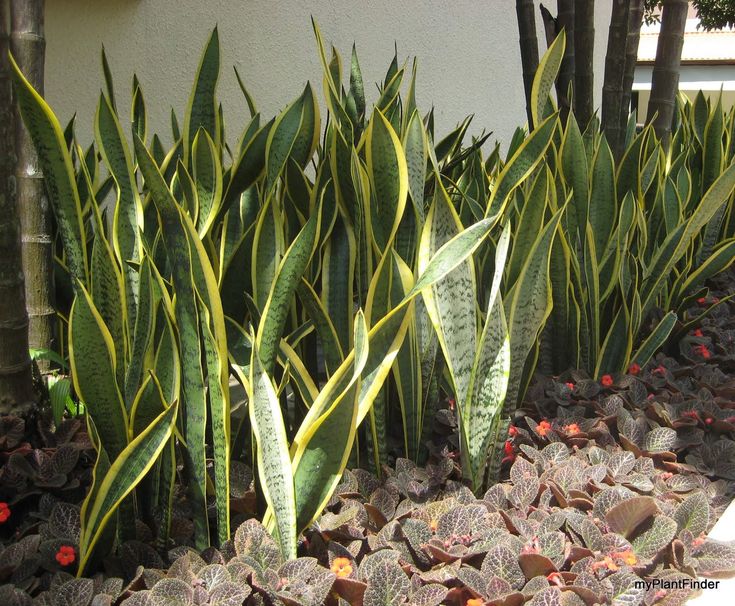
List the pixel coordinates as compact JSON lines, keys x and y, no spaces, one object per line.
{"x":543,"y":428}
{"x":342,"y":567}
{"x":634,"y":368}
{"x":702,"y":300}
{"x":606,"y":380}
{"x":570,"y":386}
{"x":65,"y":555}
{"x":626,"y":557}
{"x":697,"y":332}
{"x":474,"y":602}
{"x":608,"y":563}
{"x":4,"y":512}
{"x":572,"y":429}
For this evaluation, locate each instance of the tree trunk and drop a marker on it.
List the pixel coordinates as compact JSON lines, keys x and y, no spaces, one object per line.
{"x":565,"y":21}
{"x":584,"y":54}
{"x":28,"y":46}
{"x":665,"y":79}
{"x":529,"y":49}
{"x":16,"y":383}
{"x":612,"y":87}
{"x":635,"y":21}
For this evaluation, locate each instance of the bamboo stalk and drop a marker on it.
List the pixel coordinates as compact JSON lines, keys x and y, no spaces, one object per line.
{"x":584,"y":49}
{"x":612,"y":88}
{"x":16,"y":383}
{"x":28,"y":47}
{"x":635,"y":21}
{"x":529,"y":49}
{"x":665,"y":79}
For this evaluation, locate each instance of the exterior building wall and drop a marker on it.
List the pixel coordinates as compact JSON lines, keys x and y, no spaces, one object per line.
{"x":469,"y":60}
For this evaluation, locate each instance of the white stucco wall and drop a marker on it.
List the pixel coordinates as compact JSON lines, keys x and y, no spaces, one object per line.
{"x":469,"y":60}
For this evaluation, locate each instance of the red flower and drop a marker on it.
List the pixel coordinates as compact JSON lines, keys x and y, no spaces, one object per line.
{"x":606,"y":380}
{"x":709,"y":420}
{"x":697,"y":332}
{"x":543,"y":428}
{"x":692,"y":414}
{"x":634,"y":368}
{"x":512,"y":431}
{"x":4,"y":512}
{"x":572,"y":429}
{"x":702,"y":300}
{"x":65,"y":555}
{"x":510,"y":455}
{"x":570,"y":386}
{"x":451,"y":403}
{"x":702,"y":351}
{"x":659,"y":370}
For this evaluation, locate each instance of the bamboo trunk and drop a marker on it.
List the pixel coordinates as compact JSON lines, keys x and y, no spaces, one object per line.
{"x":612,"y":87}
{"x":16,"y":383}
{"x":635,"y":21}
{"x":28,"y":46}
{"x":565,"y":21}
{"x":665,"y":79}
{"x":584,"y":52}
{"x":529,"y":49}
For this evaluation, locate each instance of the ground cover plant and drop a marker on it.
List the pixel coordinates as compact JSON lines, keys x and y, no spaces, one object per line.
{"x":520,"y":358}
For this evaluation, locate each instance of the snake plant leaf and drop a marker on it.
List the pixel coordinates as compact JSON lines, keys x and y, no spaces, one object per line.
{"x":138,"y":111}
{"x":520,"y":166}
{"x":527,"y":306}
{"x":529,"y":225}
{"x":324,"y":440}
{"x":575,"y":170}
{"x":126,"y":471}
{"x":721,"y":258}
{"x":94,"y":371}
{"x":414,"y":144}
{"x":603,"y":198}
{"x":287,"y":277}
{"x":99,"y":473}
{"x":294,"y":134}
{"x":240,"y":342}
{"x":128,"y":218}
{"x":143,"y":332}
{"x":57,"y":166}
{"x":386,"y":167}
{"x":201,"y":111}
{"x":490,"y":373}
{"x":357,"y":88}
{"x":656,"y":339}
{"x":248,"y":97}
{"x":338,"y":272}
{"x":675,"y":245}
{"x":248,"y":167}
{"x":207,"y":176}
{"x":317,"y":313}
{"x":451,"y":301}
{"x":618,"y":344}
{"x":106,"y":289}
{"x":268,"y":246}
{"x":177,"y":242}
{"x":546,"y":73}
{"x":273,"y":460}
{"x":219,"y":412}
